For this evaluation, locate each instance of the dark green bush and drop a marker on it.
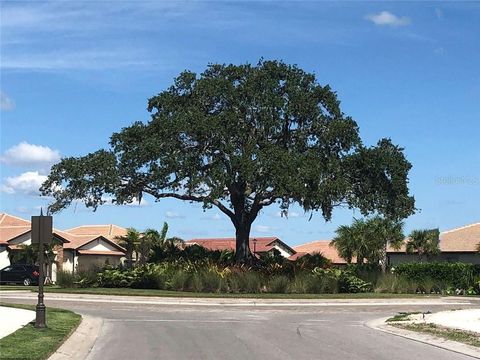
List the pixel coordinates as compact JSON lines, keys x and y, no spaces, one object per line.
{"x":457,"y":275}
{"x":248,"y":282}
{"x":180,"y":281}
{"x":278,"y":284}
{"x":86,"y":278}
{"x":344,"y":281}
{"x":65,"y":279}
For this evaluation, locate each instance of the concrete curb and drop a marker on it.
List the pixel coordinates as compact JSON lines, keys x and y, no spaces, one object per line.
{"x":460,"y":348}
{"x":81,"y":342}
{"x":239,"y":302}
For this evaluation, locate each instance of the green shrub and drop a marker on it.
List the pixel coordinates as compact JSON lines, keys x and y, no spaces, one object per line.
{"x":249,"y":282}
{"x":458,"y":275}
{"x":86,"y":278}
{"x":278,"y":284}
{"x":391,"y":283}
{"x":233,"y":283}
{"x":212,"y":281}
{"x":180,"y":281}
{"x":196,"y":282}
{"x":65,"y":279}
{"x":306,"y":283}
{"x":115,"y":278}
{"x":299,"y":284}
{"x":341,"y":280}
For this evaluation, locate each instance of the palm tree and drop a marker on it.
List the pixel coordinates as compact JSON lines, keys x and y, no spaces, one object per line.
{"x":129,"y":242}
{"x":385,"y":233}
{"x":351,"y":242}
{"x":161,"y":247}
{"x":368,"y":240}
{"x":424,"y":242}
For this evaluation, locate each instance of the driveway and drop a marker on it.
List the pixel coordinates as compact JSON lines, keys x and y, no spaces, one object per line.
{"x":153,"y":328}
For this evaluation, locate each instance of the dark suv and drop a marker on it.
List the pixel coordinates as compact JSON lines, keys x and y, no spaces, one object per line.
{"x":20,"y":274}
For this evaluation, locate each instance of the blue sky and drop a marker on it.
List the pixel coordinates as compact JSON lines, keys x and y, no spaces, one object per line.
{"x":74,"y":72}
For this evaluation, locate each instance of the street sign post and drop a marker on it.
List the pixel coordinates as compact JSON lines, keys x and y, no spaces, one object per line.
{"x":41,"y":234}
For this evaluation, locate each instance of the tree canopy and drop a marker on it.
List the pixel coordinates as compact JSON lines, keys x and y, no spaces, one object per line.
{"x":424,"y":242}
{"x":240,"y":138}
{"x":368,"y":239}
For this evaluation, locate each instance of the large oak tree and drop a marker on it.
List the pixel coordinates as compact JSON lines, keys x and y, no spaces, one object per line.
{"x":241,"y":138}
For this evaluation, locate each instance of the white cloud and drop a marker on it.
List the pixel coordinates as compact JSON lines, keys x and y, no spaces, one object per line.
{"x":6,"y":103}
{"x":86,"y":59}
{"x":135,"y":203}
{"x":173,"y":215}
{"x":28,"y":154}
{"x":214,"y":217}
{"x":263,"y":228}
{"x":27,"y":183}
{"x":438,"y":13}
{"x":387,"y":18}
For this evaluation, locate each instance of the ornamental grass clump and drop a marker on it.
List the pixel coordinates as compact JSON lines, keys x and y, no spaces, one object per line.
{"x":278,"y":284}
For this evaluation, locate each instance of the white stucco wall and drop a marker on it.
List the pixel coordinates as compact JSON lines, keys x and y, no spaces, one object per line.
{"x":99,"y":245}
{"x":4,"y":260}
{"x":92,"y":262}
{"x":68,"y":261}
{"x":283,"y":251}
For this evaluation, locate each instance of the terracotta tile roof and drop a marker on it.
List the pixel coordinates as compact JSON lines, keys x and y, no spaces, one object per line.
{"x":77,"y":241}
{"x":297,"y":255}
{"x":323,"y":247}
{"x":107,"y":231}
{"x":104,"y":253}
{"x":12,"y":227}
{"x":462,"y":239}
{"x":10,"y":220}
{"x":263,"y":244}
{"x":8,"y":233}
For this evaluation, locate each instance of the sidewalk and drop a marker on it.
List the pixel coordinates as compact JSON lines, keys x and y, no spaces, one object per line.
{"x":468,"y":319}
{"x":13,"y":319}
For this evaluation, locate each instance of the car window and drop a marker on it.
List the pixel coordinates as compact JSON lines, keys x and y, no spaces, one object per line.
{"x":9,"y":268}
{"x":18,"y":267}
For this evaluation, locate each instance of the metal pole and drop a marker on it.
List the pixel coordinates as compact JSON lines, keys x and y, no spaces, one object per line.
{"x":40,"y":309}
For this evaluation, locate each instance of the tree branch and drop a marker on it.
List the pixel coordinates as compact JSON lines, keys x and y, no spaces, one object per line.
{"x":187,"y":197}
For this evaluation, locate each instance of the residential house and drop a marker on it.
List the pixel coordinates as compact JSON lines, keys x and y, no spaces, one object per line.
{"x":76,"y":249}
{"x":322,"y":247}
{"x":258,"y":245}
{"x":92,"y":246}
{"x":15,"y":232}
{"x":460,"y":244}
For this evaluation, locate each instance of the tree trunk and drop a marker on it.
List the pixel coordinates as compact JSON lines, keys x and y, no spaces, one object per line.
{"x":383,"y":259}
{"x":242,"y":248}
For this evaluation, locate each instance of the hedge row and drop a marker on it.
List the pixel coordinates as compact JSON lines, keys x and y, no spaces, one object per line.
{"x":458,"y":275}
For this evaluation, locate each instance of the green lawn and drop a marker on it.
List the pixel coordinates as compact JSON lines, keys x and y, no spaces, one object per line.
{"x":17,"y":287}
{"x":29,"y":343}
{"x":185,"y":294}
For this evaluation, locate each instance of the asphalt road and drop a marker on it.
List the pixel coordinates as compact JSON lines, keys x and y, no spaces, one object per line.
{"x":148,"y":330}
